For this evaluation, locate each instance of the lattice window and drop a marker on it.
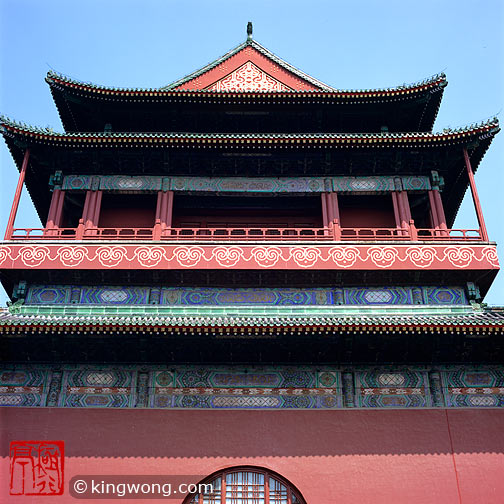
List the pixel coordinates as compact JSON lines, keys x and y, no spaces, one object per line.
{"x":247,"y":486}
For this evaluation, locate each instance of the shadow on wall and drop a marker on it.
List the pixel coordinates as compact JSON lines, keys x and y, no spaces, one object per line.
{"x":210,"y":433}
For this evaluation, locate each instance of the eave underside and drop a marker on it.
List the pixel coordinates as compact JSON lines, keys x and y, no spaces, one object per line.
{"x":86,"y":111}
{"x":468,"y":337}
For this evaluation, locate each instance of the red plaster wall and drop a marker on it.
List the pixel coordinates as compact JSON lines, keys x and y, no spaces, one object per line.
{"x":367,"y":218}
{"x":344,"y":457}
{"x":127,"y":217}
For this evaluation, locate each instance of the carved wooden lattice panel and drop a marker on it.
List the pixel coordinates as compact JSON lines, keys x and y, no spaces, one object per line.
{"x":248,"y":77}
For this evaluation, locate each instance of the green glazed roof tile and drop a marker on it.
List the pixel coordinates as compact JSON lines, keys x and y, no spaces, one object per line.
{"x":252,"y":317}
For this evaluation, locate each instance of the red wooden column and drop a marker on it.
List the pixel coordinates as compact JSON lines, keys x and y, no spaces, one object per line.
{"x":325,"y":221}
{"x":434,"y":214}
{"x":476,"y":201}
{"x":17,"y":196}
{"x":164,"y":213}
{"x":397,"y":214}
{"x":333,"y":213}
{"x":156,"y":233}
{"x":91,"y":213}
{"x":83,"y":219}
{"x":440,"y":212}
{"x":403,"y":213}
{"x":55,"y":212}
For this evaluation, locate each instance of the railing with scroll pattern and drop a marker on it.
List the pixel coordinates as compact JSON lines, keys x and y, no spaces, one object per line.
{"x":331,"y":233}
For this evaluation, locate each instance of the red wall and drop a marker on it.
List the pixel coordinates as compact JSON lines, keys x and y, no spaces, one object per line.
{"x":399,"y":456}
{"x":367,"y":218}
{"x":127,"y":217}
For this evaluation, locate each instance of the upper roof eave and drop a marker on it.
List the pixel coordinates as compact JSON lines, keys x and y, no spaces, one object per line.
{"x":489,"y":127}
{"x":437,"y":81}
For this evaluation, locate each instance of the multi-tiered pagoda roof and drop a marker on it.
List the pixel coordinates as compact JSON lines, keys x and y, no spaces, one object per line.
{"x":251,"y":125}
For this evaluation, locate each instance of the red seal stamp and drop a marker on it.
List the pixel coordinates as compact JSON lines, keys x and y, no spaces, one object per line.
{"x":36,"y":467}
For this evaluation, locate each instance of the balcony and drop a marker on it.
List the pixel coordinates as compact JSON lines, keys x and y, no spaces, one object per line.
{"x":332,"y":233}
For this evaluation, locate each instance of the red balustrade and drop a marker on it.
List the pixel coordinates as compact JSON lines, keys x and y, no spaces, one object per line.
{"x":449,"y":234}
{"x":331,"y":233}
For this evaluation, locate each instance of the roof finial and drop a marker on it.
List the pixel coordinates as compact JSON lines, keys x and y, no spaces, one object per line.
{"x":249,"y":30}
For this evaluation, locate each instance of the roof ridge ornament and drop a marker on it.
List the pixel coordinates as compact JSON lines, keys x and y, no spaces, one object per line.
{"x":249,"y":30}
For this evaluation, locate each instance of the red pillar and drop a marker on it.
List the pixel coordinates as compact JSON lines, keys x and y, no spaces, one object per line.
{"x":164,"y":211}
{"x":96,"y":216}
{"x":440,"y":212}
{"x":324,"y":210}
{"x":330,"y":208}
{"x":433,"y":209}
{"x":17,"y":196}
{"x":406,"y":206}
{"x":156,"y":234}
{"x":336,"y":215}
{"x":169,"y":212}
{"x":84,"y":218}
{"x":397,"y":214}
{"x":88,"y":218}
{"x":52,"y":209}
{"x":476,"y":201}
{"x":56,"y":209}
{"x":92,"y":216}
{"x":55,"y":213}
{"x":403,"y":211}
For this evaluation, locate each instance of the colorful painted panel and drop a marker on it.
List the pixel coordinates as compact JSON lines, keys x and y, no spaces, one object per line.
{"x":79,"y":182}
{"x":465,"y":388}
{"x":415,"y":183}
{"x":222,"y":297}
{"x":380,"y":296}
{"x":114,"y":295}
{"x":392,"y":389}
{"x":243,"y":184}
{"x":57,"y":294}
{"x":23,"y":386}
{"x":125,"y":183}
{"x":363,"y":184}
{"x":248,"y":389}
{"x":445,"y":295}
{"x":98,"y":388}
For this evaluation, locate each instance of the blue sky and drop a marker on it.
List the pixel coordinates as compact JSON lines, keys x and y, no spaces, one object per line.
{"x":349,"y":45}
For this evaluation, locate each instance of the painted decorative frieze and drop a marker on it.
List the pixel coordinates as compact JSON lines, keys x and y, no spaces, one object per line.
{"x":98,"y":387}
{"x":139,"y":183}
{"x":466,"y":388}
{"x":208,"y":296}
{"x":256,"y":387}
{"x":195,"y":256}
{"x":248,"y":389}
{"x":392,"y":389}
{"x":24,"y":386}
{"x":248,"y":184}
